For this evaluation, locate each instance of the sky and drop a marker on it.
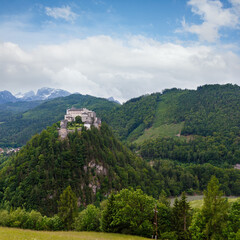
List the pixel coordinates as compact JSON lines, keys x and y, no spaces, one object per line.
{"x":119,"y":48}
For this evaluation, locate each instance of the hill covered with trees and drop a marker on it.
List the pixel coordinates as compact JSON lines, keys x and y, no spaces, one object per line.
{"x":19,"y":124}
{"x":95,"y":163}
{"x":206,"y":111}
{"x":92,"y":161}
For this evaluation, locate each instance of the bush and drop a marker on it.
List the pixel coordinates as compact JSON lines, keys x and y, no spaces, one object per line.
{"x":20,"y":218}
{"x":129,"y":212}
{"x":88,"y":219}
{"x":4,"y":218}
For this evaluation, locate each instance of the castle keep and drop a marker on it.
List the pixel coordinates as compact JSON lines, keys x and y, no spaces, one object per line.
{"x":88,"y":118}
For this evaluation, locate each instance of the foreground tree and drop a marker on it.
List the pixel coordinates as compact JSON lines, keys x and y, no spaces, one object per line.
{"x":108,"y":214}
{"x":129,"y":212}
{"x":211,"y":221}
{"x":67,"y":207}
{"x":182,"y":217}
{"x":88,"y":219}
{"x":214,"y":210}
{"x":233,"y":226}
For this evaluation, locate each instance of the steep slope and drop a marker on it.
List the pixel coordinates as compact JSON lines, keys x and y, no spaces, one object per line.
{"x":209,"y":121}
{"x":129,"y":120}
{"x":93,"y":162}
{"x":6,"y":96}
{"x":164,"y":122}
{"x":18,"y":107}
{"x":42,"y":94}
{"x":19,"y":129}
{"x":50,"y":93}
{"x":209,"y":109}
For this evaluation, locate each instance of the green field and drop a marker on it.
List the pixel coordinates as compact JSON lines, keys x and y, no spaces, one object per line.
{"x":20,"y":234}
{"x":166,"y":130}
{"x":199,"y":203}
{"x":162,"y":126}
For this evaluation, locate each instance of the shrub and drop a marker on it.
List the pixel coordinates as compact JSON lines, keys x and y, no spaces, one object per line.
{"x":88,"y":219}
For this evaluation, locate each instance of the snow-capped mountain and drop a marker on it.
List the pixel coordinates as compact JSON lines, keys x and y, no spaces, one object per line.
{"x":24,"y":96}
{"x":6,"y":96}
{"x":43,"y":94}
{"x":49,"y":93}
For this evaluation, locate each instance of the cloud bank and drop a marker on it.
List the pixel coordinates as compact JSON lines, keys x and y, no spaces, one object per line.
{"x":104,"y":66}
{"x":214,"y":18}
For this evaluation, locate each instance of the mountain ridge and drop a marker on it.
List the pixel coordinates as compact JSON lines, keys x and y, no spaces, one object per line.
{"x":172,"y":113}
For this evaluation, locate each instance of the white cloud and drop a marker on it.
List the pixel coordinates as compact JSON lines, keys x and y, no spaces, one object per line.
{"x":64,"y":12}
{"x":214,"y":17}
{"x":104,"y":66}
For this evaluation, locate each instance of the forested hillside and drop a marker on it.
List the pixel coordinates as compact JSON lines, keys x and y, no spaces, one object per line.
{"x":190,"y":126}
{"x":210,"y":131}
{"x":208,"y":110}
{"x":211,"y":109}
{"x":130,"y":120}
{"x":94,"y":163}
{"x":17,"y":129}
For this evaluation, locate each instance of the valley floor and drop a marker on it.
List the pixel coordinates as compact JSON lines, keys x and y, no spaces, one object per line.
{"x":20,"y":234}
{"x":196,"y":201}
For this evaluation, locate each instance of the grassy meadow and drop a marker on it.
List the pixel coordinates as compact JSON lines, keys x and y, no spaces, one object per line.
{"x":169,"y":130}
{"x":20,"y":234}
{"x":196,"y":201}
{"x":199,"y":203}
{"x":162,"y":125}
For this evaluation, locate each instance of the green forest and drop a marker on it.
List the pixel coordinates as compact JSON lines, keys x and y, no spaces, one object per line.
{"x":148,"y":149}
{"x":207,"y":111}
{"x":94,"y":163}
{"x":133,"y":212}
{"x":18,"y":126}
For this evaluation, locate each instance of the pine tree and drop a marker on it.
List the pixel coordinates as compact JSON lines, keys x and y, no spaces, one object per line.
{"x":107,"y":215}
{"x":163,"y":198}
{"x":214,"y":210}
{"x":182,"y":217}
{"x":67,"y":207}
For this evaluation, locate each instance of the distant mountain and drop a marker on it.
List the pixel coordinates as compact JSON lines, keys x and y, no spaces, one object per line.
{"x":173,"y":113}
{"x":42,"y":94}
{"x":16,"y":130}
{"x":6,"y":96}
{"x":25,"y":96}
{"x":111,"y":99}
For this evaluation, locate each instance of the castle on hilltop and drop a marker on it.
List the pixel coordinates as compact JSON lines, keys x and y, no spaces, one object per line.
{"x":88,"y":118}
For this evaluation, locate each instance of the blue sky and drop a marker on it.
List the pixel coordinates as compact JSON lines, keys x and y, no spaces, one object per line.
{"x":123,"y":48}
